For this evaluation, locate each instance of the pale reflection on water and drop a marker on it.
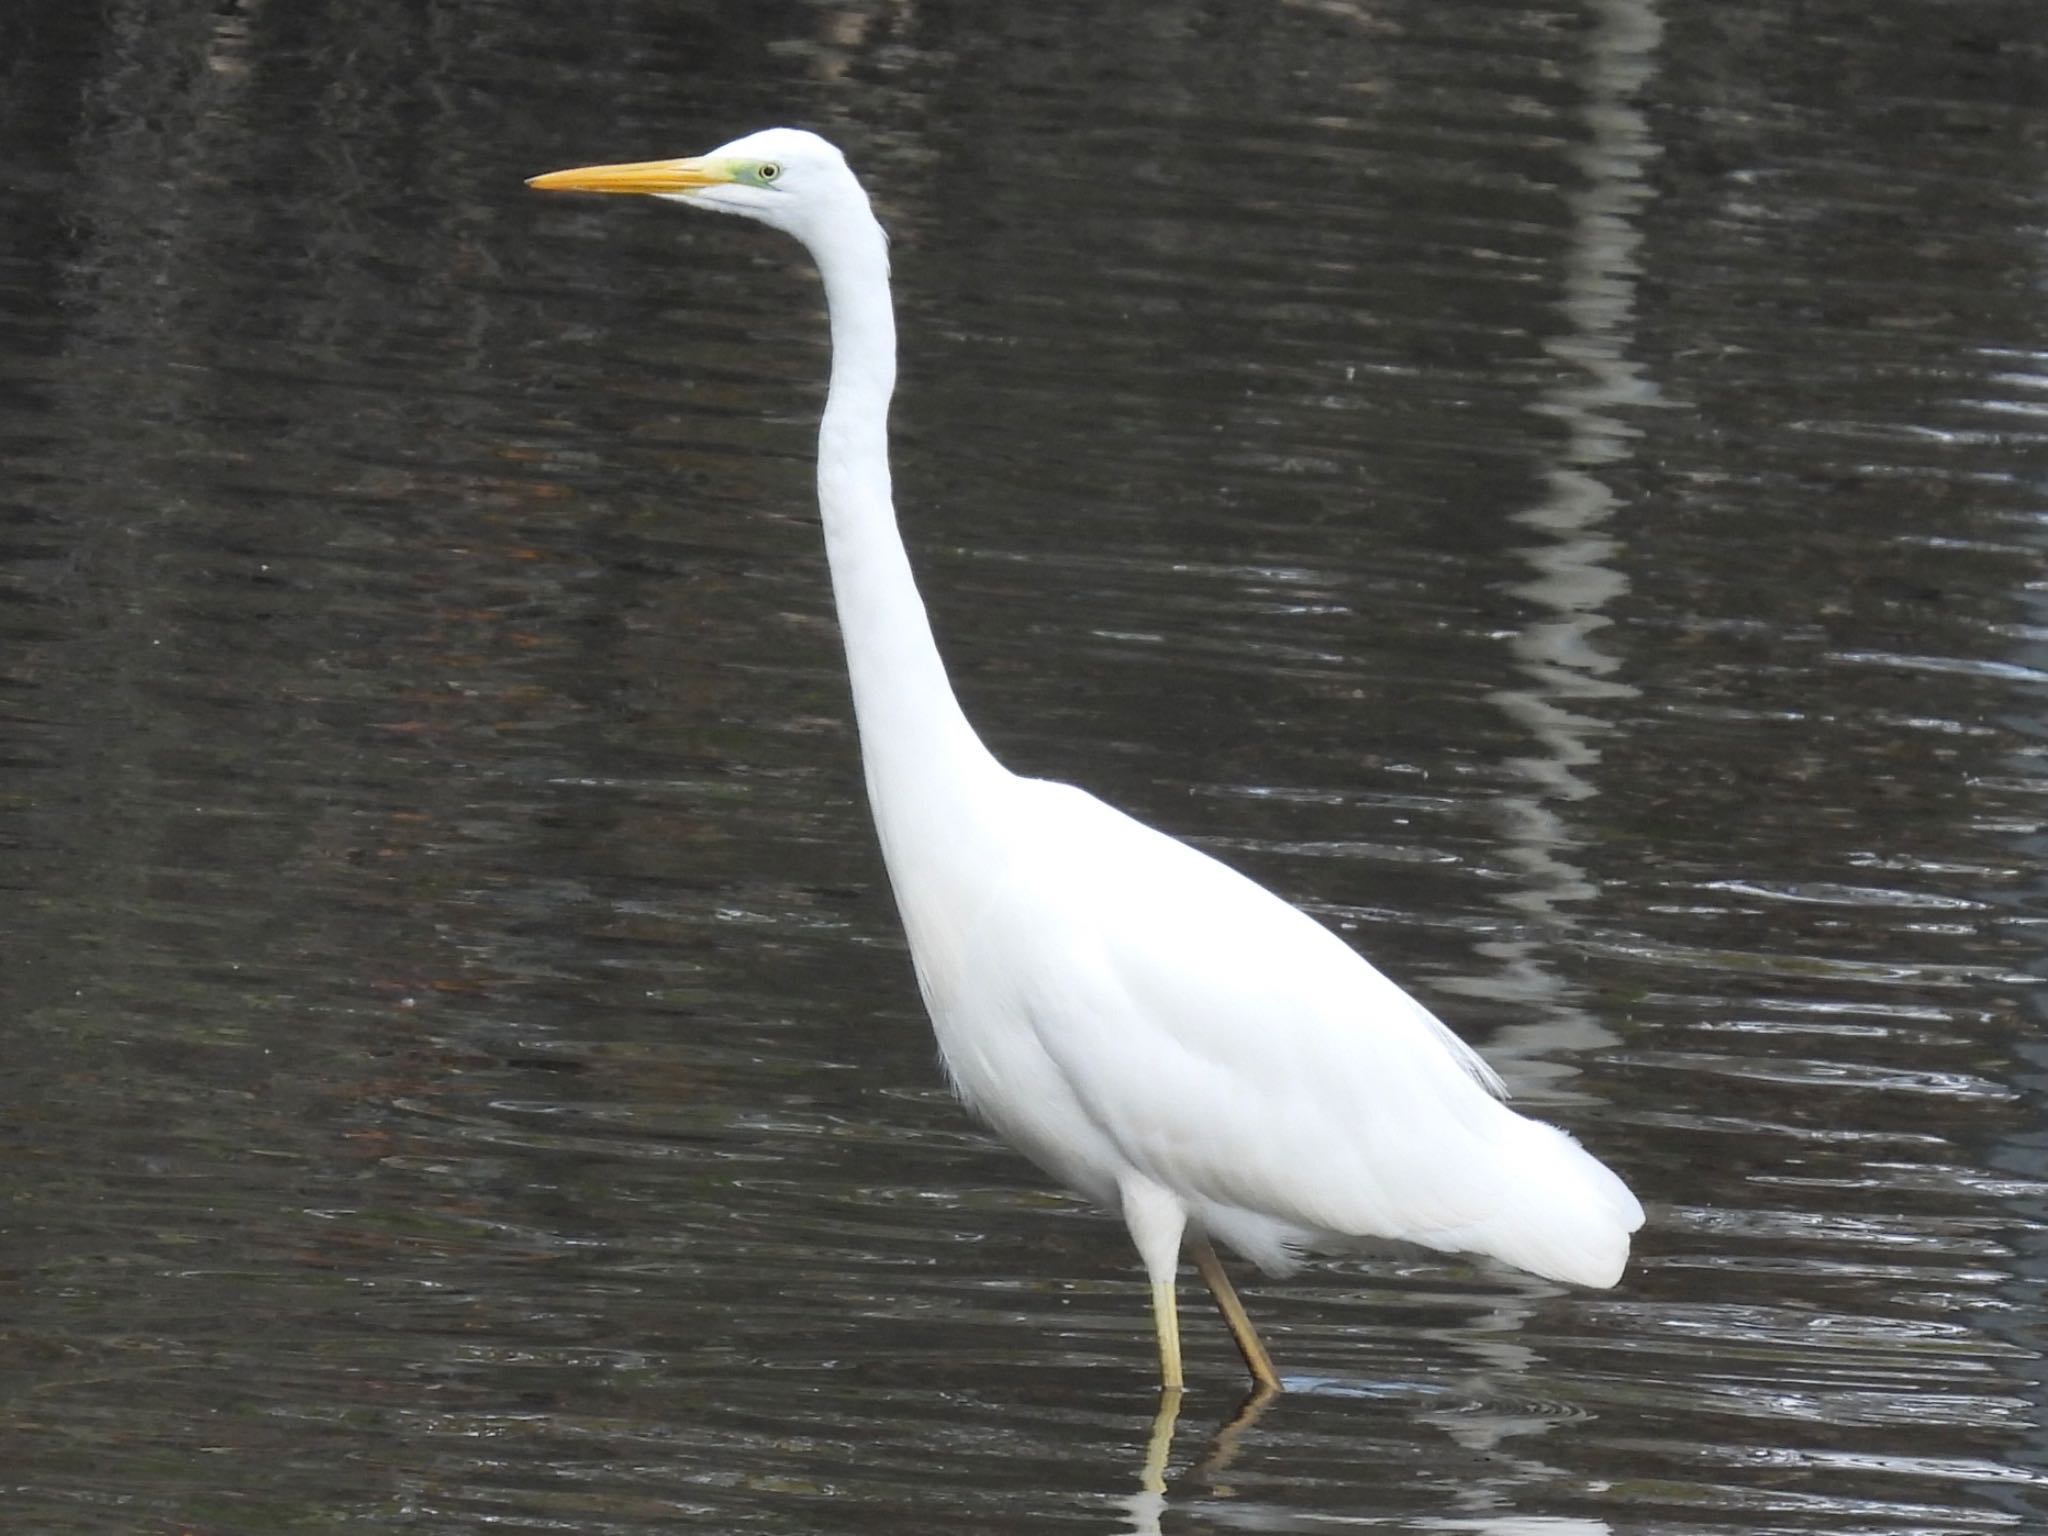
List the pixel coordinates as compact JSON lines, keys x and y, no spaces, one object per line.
{"x":1556,"y":492}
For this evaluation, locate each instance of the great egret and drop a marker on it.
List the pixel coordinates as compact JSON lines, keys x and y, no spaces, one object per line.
{"x":1145,"y":1023}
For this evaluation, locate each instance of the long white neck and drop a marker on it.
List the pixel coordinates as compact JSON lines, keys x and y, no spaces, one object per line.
{"x":923,"y":760}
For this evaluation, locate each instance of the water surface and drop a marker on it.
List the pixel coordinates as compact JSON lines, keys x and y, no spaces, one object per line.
{"x":1557,"y":492}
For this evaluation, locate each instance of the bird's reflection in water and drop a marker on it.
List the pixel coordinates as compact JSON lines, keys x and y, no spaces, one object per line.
{"x":1143,"y":1510}
{"x":1223,"y":1445}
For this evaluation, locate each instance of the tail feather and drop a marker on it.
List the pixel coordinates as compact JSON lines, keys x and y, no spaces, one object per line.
{"x":1566,"y":1216}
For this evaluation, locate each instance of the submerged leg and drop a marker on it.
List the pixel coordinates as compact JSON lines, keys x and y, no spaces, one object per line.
{"x":1152,"y":1476}
{"x":1256,"y":1360}
{"x":1229,"y":1440}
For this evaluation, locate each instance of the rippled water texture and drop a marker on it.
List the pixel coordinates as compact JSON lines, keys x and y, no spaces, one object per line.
{"x":1560,"y":492}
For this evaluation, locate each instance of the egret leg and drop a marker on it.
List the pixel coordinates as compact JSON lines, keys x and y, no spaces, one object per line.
{"x":1256,"y":1360}
{"x":1166,"y":1318}
{"x":1157,"y":1219}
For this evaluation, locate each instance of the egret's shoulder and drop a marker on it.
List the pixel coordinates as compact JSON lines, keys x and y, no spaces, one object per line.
{"x":1126,"y":858}
{"x":1180,"y":925}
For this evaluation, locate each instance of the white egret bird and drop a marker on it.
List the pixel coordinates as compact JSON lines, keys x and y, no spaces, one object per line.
{"x":1145,"y":1023}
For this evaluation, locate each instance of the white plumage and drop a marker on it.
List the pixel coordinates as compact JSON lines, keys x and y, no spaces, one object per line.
{"x":1148,"y":1025}
{"x":1122,"y":1005}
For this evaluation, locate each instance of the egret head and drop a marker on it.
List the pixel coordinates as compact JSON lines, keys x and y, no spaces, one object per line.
{"x":784,"y":177}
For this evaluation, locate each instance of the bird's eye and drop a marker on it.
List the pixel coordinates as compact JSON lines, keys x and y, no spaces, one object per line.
{"x":769,"y":171}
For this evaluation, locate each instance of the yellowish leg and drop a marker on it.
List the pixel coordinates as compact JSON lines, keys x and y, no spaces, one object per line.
{"x":1166,"y":1318}
{"x":1256,"y":1360}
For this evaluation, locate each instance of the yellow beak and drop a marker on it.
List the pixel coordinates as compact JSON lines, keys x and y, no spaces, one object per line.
{"x":638,"y":176}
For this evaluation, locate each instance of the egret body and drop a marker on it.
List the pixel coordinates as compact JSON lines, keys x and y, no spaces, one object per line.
{"x":1146,"y":1024}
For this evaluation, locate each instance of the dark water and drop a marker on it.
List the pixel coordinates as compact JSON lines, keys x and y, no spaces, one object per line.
{"x":1562,"y":491}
